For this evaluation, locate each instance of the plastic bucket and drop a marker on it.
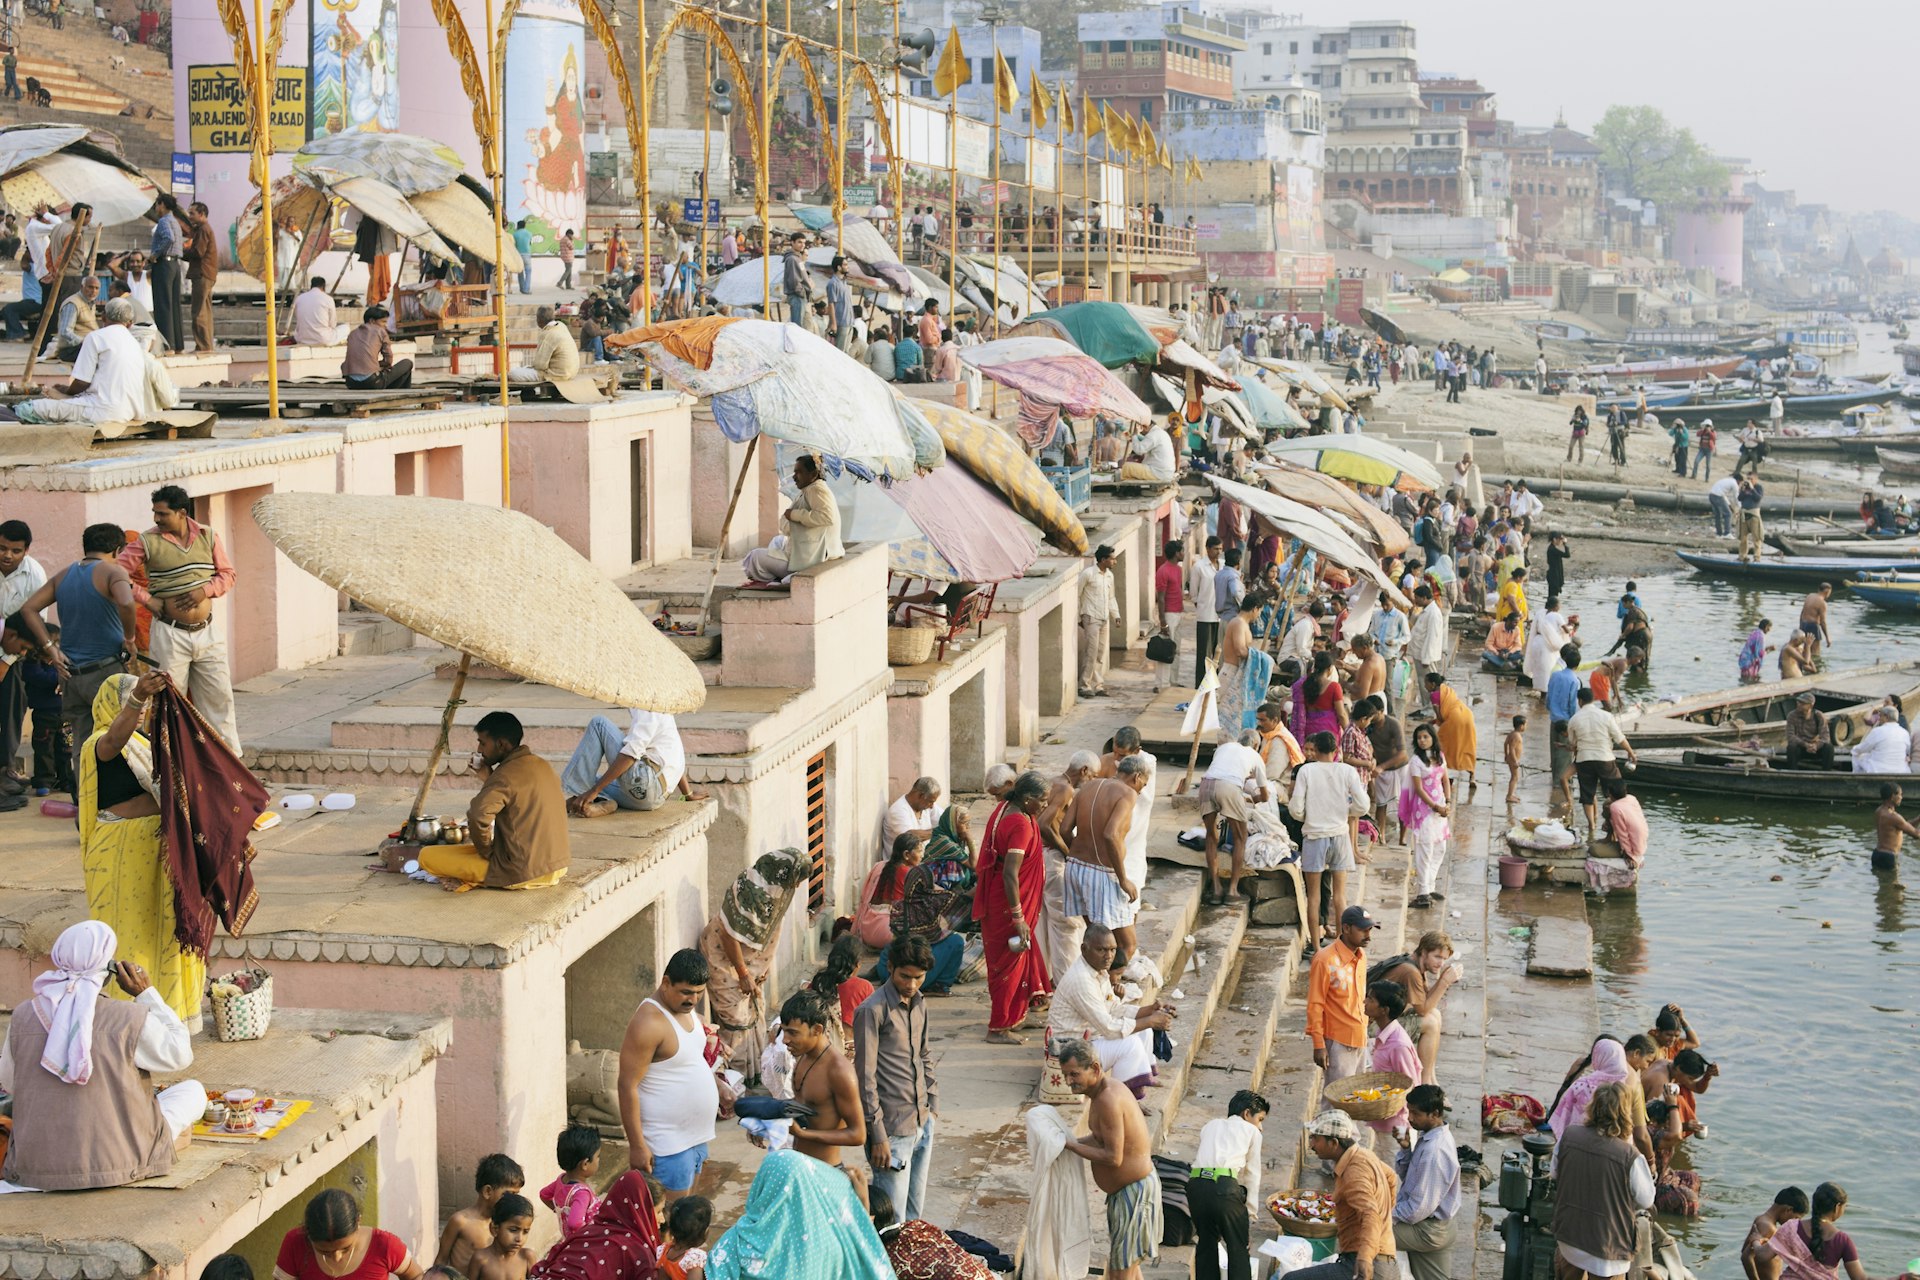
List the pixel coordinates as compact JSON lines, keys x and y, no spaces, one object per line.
{"x":1513,"y":872}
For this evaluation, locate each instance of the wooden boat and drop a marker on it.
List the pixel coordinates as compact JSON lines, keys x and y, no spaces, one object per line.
{"x":1675,"y":369}
{"x":1888,"y":593}
{"x":1761,"y":775}
{"x":1897,"y":464}
{"x":1854,"y":546}
{"x":1758,"y":712}
{"x":1819,"y":404}
{"x":1797,"y":569}
{"x":1860,"y":444}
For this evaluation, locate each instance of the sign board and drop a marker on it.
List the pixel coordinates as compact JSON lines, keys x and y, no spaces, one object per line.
{"x":183,"y":175}
{"x":1113,"y":185}
{"x":1043,"y":164}
{"x":861,"y":195}
{"x":690,"y":211}
{"x":920,"y":132}
{"x":996,"y":194}
{"x":973,"y":147}
{"x":217,"y":110}
{"x":1352,"y":296}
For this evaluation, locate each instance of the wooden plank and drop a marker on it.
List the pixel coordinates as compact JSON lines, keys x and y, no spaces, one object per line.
{"x":1561,"y":948}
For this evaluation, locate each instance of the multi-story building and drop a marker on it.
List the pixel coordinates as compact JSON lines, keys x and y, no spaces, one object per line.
{"x":1149,"y":62}
{"x":1554,"y":185}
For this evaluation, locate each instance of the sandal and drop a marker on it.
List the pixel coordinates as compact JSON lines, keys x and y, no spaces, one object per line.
{"x":1422,"y":903}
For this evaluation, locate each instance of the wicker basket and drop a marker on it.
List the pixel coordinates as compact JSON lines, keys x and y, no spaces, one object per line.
{"x":910,"y":646}
{"x":244,"y":1016}
{"x":1390,"y":1103}
{"x":1306,"y":1228}
{"x":697,"y":648}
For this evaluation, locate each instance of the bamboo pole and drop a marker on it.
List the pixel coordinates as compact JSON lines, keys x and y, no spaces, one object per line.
{"x":953,"y":199}
{"x":496,"y":64}
{"x":1060,"y":197}
{"x":50,"y":304}
{"x":720,"y":547}
{"x":1033,"y":137}
{"x":840,"y":129}
{"x":706,"y":148}
{"x":262,"y":150}
{"x":440,"y":743}
{"x":1086,"y":222}
{"x":896,"y":162}
{"x":999,"y":202}
{"x":764,"y":184}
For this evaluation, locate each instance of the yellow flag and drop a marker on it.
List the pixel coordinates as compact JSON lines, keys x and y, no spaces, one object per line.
{"x":1193,"y":169}
{"x":1006,"y":90}
{"x":1166,"y":158}
{"x":1067,"y":122}
{"x":1094,"y":119}
{"x":1115,"y":131}
{"x":1149,"y":144}
{"x":954,"y":69}
{"x":1042,"y":100}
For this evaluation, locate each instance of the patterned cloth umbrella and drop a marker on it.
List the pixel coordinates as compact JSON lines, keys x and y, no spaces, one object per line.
{"x":401,"y":160}
{"x":1058,"y":376}
{"x":1359,"y":458}
{"x":779,"y":380}
{"x":1312,"y":527}
{"x":998,"y":460}
{"x":20,"y":143}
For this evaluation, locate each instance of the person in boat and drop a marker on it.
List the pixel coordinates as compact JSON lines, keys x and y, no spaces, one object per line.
{"x":1890,"y":830}
{"x":1807,"y":736}
{"x":1506,"y":647}
{"x":1884,"y":749}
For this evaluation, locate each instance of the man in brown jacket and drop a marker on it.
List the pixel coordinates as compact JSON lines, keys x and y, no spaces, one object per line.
{"x":518,"y":821}
{"x":1602,"y":1185}
{"x":203,"y":268}
{"x":1363,"y":1194}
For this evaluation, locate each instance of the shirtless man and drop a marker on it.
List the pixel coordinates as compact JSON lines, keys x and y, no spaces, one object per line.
{"x":823,"y":1079}
{"x":1117,"y":1148}
{"x":1389,"y":741}
{"x":1097,"y":889}
{"x":1236,"y":639}
{"x":669,"y":1095}
{"x":1796,"y":655}
{"x":1813,"y":617}
{"x":1371,"y":676}
{"x":1062,"y":932}
{"x":1889,"y":828}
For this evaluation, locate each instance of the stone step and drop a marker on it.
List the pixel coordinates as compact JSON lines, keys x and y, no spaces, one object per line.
{"x":1203,"y":976}
{"x":549,"y":730}
{"x":365,"y":634}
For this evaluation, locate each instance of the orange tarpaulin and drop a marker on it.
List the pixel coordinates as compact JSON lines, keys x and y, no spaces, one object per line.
{"x":690,"y":340}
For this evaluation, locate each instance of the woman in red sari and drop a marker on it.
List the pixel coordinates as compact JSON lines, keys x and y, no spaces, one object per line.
{"x":1007,"y":902}
{"x":621,"y":1243}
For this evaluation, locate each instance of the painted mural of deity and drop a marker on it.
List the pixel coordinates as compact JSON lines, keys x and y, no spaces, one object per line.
{"x":546,"y":120}
{"x":356,"y":66}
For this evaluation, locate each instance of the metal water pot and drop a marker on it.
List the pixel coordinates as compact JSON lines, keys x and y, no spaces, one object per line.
{"x":422,"y":830}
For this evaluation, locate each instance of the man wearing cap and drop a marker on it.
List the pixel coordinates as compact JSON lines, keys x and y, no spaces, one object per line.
{"x":1099,"y":610}
{"x":1364,"y":1191}
{"x":1429,"y":1167}
{"x":370,"y":365}
{"x":1807,"y":734}
{"x":1884,"y":749}
{"x":1337,"y":998}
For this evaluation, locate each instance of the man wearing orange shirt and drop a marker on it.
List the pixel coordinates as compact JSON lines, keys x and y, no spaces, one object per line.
{"x":1337,"y":998}
{"x":930,"y":328}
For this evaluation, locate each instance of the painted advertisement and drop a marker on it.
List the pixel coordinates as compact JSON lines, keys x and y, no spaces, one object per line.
{"x":546,"y":157}
{"x":355,"y":63}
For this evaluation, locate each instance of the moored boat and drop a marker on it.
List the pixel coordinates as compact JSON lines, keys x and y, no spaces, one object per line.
{"x":1758,"y":712}
{"x":1673,"y":369}
{"x":1760,"y":775}
{"x":1898,"y":463}
{"x":1854,"y":547}
{"x":1889,"y":593}
{"x":1858,"y":444}
{"x":1797,"y":569}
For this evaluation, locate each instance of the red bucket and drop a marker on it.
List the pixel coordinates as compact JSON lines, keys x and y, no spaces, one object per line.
{"x":1513,"y":872}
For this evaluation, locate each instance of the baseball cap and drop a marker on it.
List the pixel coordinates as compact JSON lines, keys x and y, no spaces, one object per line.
{"x":1333,"y":1124}
{"x":1806,"y":698}
{"x":1358,"y":917}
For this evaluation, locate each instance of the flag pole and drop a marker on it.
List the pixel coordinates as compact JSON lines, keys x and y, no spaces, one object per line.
{"x":999,"y":206}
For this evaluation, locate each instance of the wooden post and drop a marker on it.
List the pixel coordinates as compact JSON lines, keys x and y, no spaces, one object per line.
{"x":1193,"y":748}
{"x":446,"y":732}
{"x":48,"y":302}
{"x":739,"y":483}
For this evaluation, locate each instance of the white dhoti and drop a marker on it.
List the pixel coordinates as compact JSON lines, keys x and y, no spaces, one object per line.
{"x":768,"y":563}
{"x":525,"y":374}
{"x":182,"y":1104}
{"x":1063,"y":932}
{"x":1126,"y":1059}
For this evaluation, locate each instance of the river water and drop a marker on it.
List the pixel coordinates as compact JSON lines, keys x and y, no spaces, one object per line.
{"x":1806,"y":991}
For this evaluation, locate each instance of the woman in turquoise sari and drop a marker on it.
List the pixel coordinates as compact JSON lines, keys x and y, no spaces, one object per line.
{"x":802,"y":1222}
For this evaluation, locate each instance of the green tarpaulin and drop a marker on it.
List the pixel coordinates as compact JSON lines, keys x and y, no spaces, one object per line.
{"x":1106,"y":331}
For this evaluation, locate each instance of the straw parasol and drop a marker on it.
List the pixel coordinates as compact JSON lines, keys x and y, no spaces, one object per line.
{"x":464,"y":220}
{"x":476,"y":601}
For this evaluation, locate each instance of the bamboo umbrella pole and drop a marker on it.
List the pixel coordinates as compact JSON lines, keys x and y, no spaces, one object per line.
{"x":840,"y":129}
{"x":953,"y":200}
{"x":496,"y":106}
{"x":446,"y":733}
{"x":262,"y":149}
{"x":706,"y":149}
{"x":1060,"y":194}
{"x":713,"y":574}
{"x":51,"y":303}
{"x":999,"y":204}
{"x":764,"y":183}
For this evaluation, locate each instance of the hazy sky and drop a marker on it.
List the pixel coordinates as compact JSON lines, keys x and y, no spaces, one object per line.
{"x":1821,"y":97}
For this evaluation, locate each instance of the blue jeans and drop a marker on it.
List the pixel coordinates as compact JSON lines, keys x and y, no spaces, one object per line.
{"x":678,"y":1171}
{"x":1703,"y":458}
{"x":526,"y":276}
{"x":638,"y":788}
{"x":796,"y":310}
{"x":1722,"y":515}
{"x":905,"y":1184}
{"x":947,"y":956}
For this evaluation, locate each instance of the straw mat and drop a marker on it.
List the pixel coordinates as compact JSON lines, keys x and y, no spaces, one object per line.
{"x":492,"y":583}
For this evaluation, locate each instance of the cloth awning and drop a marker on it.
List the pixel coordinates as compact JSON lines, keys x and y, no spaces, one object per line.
{"x":1057,"y":374}
{"x":1312,"y":527}
{"x":1359,"y":458}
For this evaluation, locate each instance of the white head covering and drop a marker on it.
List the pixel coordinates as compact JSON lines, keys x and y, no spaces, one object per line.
{"x":67,"y":996}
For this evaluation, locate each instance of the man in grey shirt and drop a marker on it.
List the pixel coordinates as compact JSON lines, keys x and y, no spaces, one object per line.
{"x":895,"y":1070}
{"x":839,"y":305}
{"x":880,"y":353}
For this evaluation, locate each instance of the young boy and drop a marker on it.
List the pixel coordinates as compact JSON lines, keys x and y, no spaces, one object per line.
{"x":683,"y":1255}
{"x":52,"y":752}
{"x":1889,"y":828}
{"x":571,"y":1194}
{"x":506,"y":1256}
{"x":1789,"y":1204}
{"x":470,"y":1229}
{"x":1515,"y":740}
{"x":1225,"y":1180}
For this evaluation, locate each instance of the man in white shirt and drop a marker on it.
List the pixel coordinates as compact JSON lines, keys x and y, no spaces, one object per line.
{"x":1524,"y":505}
{"x":1225,"y":1179}
{"x":1237,"y":769}
{"x":636,"y":770}
{"x":810,"y":529}
{"x":1884,"y":749}
{"x":916,"y":811}
{"x":1152,"y":460}
{"x":1720,"y":496}
{"x":1328,"y":799}
{"x":1595,"y":733}
{"x":1298,"y":642}
{"x":313,"y":322}
{"x":1206,"y":608}
{"x":1086,"y":1008}
{"x":1776,"y":414}
{"x":109,"y":378}
{"x":1099,"y":610}
{"x":1427,"y":646}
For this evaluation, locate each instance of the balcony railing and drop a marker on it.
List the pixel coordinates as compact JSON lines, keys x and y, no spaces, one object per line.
{"x":977,"y":240}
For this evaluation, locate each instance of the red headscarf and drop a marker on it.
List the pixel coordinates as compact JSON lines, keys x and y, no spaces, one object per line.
{"x":621,"y":1243}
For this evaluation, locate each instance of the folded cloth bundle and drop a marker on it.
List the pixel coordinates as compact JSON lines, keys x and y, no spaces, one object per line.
{"x":760,"y":1107}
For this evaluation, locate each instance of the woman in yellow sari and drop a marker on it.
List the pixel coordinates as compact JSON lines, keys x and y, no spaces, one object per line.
{"x":122,"y":855}
{"x":1459,"y":741}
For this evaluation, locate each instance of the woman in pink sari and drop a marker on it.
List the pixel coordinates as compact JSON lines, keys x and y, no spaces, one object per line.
{"x":1607,"y":1065}
{"x":1810,"y":1248}
{"x":1007,"y":901}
